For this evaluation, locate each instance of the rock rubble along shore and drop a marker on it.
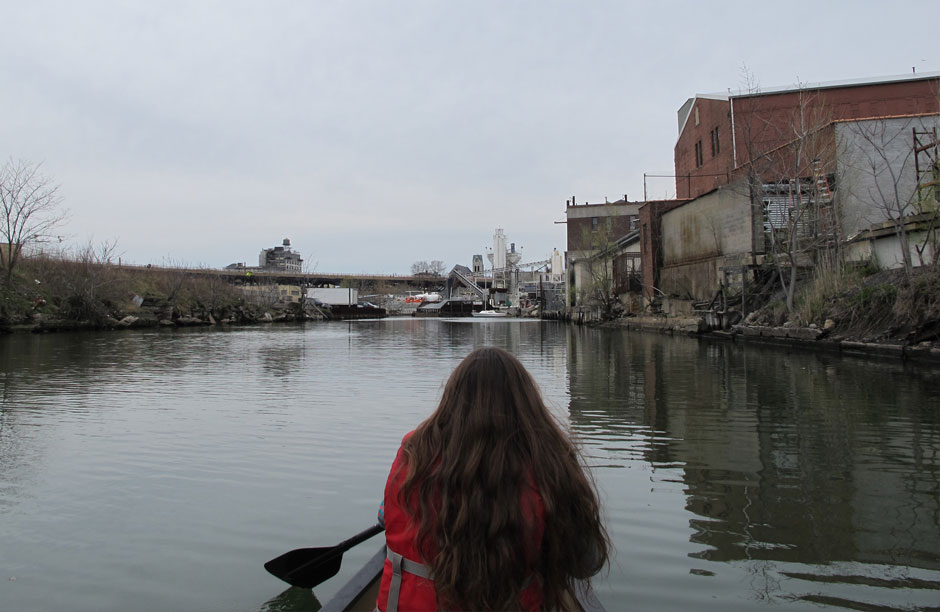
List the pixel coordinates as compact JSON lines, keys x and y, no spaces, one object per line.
{"x":811,"y":338}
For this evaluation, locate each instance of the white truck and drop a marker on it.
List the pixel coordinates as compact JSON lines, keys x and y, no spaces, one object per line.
{"x":334,"y":296}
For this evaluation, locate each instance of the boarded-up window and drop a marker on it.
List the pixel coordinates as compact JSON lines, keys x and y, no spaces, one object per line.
{"x":627,"y":273}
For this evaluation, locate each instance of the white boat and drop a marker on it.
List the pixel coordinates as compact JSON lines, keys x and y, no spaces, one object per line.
{"x":489,"y":314}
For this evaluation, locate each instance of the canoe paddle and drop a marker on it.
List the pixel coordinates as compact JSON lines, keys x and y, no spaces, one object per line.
{"x":308,"y":567}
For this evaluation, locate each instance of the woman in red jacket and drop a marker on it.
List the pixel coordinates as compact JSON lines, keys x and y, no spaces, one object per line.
{"x":487,"y":506}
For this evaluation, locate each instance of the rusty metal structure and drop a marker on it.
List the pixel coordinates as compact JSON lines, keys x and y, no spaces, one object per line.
{"x":927,"y":165}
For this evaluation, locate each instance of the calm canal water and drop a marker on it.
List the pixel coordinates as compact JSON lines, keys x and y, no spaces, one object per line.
{"x":158,"y":470}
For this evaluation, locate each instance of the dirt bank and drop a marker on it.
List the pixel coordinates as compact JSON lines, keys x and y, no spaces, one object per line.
{"x":58,"y":295}
{"x":857,"y":311}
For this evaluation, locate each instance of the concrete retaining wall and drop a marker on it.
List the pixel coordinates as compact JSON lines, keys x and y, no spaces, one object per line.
{"x":702,"y":236}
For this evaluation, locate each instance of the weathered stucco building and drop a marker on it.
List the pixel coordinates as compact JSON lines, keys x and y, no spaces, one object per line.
{"x":713,"y":234}
{"x":890,"y":173}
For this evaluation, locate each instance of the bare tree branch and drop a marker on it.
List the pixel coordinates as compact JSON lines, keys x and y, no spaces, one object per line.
{"x":881,"y":153}
{"x":787,"y":163}
{"x":29,"y":211}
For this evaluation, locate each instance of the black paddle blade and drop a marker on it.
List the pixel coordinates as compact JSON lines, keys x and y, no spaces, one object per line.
{"x":306,"y":567}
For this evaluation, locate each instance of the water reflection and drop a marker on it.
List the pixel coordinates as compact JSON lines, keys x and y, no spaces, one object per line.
{"x":812,"y":460}
{"x":292,"y":599}
{"x":733,"y":476}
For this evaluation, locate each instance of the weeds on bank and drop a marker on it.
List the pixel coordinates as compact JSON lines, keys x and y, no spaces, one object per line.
{"x":919,"y":299}
{"x":863,"y":300}
{"x":86,"y":287}
{"x":814,"y":300}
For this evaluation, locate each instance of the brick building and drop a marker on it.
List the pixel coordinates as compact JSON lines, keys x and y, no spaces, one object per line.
{"x":587,"y":224}
{"x":605,"y":243}
{"x":281,"y":258}
{"x":744,"y":161}
{"x":720,"y":134}
{"x":748,"y":163}
{"x":651,"y":243}
{"x":593,"y":231}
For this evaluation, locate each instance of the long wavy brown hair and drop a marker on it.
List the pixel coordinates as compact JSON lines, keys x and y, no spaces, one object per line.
{"x":469,"y":464}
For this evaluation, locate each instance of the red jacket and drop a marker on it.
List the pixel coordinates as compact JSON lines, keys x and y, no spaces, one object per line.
{"x":417,"y":593}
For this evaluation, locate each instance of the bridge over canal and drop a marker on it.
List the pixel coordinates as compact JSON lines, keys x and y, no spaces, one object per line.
{"x":240,"y":276}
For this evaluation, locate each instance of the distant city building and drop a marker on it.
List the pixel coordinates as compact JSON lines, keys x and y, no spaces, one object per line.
{"x":281,"y":258}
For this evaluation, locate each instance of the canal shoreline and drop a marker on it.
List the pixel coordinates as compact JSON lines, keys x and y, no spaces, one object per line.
{"x":805,"y":338}
{"x":41,"y":323}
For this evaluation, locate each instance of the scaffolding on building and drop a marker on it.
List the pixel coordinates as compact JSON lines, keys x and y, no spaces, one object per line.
{"x":927,"y":167}
{"x":803,"y":209}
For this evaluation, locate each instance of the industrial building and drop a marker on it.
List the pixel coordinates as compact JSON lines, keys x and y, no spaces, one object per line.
{"x":720,"y":135}
{"x":769,"y":176}
{"x":508,"y":281}
{"x":280,"y":258}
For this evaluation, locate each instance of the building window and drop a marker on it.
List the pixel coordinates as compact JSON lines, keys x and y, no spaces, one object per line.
{"x":696,"y":115}
{"x":593,"y":224}
{"x":717,"y":142}
{"x":699,"y":154}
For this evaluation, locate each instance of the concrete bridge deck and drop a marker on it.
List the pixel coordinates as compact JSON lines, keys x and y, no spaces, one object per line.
{"x":311,"y":279}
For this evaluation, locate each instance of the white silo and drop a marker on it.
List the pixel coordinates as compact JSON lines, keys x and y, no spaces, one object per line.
{"x":558,"y":266}
{"x":499,"y":249}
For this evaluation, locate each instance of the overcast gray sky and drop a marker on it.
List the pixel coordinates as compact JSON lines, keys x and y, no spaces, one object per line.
{"x":374,"y":134}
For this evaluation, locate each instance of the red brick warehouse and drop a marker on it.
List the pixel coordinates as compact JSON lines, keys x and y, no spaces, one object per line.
{"x":719,"y":134}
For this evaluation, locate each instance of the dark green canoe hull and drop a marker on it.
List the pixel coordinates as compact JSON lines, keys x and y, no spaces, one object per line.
{"x":360,"y":592}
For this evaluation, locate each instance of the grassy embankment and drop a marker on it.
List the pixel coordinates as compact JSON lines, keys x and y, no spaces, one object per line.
{"x":58,"y":293}
{"x":866,"y":304}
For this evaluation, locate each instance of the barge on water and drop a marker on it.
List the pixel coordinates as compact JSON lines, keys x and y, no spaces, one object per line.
{"x":356,"y":311}
{"x":448,"y":308}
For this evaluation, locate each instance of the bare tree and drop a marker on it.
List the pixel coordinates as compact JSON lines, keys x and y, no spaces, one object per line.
{"x":789,"y":167}
{"x":437,"y":267}
{"x":29,"y":211}
{"x":434,"y":267}
{"x":89,"y":285}
{"x":171,"y":279}
{"x":598,"y":287}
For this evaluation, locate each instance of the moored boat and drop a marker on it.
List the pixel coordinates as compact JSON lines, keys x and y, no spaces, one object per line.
{"x":489,"y":313}
{"x":361,"y":591}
